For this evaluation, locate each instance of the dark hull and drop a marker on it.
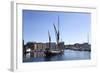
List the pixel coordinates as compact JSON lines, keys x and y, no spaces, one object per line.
{"x":50,"y":53}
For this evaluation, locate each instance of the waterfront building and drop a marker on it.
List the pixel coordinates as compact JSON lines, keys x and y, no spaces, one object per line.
{"x":61,"y":45}
{"x":86,"y":47}
{"x":47,"y":45}
{"x":43,"y":46}
{"x":39,"y":46}
{"x":80,"y":47}
{"x":53,"y":45}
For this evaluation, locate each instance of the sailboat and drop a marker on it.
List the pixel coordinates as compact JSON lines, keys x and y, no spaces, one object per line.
{"x":58,"y":49}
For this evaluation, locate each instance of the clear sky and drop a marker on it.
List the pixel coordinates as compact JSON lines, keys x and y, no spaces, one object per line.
{"x":74,"y":27}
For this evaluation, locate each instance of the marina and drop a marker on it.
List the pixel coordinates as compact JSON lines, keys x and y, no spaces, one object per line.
{"x":52,"y":43}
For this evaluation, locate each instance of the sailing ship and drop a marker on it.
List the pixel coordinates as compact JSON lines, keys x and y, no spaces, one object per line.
{"x":58,"y":49}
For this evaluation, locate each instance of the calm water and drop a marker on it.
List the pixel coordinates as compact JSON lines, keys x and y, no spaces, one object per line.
{"x":67,"y":55}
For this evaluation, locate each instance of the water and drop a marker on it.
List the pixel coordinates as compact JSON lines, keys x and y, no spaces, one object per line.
{"x":67,"y":55}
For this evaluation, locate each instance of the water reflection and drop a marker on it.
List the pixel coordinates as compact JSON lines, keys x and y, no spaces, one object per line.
{"x":67,"y":55}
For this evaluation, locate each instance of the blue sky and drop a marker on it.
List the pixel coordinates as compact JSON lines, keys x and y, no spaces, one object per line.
{"x":74,"y":27}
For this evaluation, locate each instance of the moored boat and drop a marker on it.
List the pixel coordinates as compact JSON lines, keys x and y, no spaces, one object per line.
{"x":59,"y":49}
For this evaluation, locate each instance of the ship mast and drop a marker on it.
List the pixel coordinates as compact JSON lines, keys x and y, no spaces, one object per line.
{"x":49,"y":39}
{"x":58,"y":37}
{"x":57,"y":33}
{"x":88,"y":38}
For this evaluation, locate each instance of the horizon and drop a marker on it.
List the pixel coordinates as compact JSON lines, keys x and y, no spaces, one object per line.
{"x":55,"y":42}
{"x":74,"y":26}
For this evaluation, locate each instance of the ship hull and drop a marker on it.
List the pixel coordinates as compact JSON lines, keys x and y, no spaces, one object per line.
{"x":53,"y":52}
